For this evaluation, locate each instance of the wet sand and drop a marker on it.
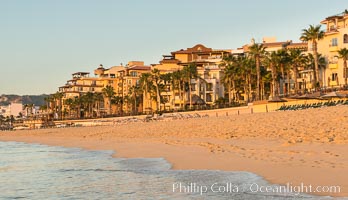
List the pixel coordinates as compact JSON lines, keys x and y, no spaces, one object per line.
{"x":306,"y":146}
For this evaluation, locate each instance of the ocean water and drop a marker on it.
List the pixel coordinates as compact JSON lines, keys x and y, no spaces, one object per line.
{"x":34,"y":171}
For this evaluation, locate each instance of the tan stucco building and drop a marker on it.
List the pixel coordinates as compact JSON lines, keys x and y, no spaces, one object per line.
{"x":208,"y":87}
{"x":336,"y":38}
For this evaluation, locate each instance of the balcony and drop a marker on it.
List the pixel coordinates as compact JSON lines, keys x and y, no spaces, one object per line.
{"x":333,"y":83}
{"x":333,"y":48}
{"x":333,"y":66}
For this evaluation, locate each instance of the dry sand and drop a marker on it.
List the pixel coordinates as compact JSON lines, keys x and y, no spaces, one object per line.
{"x":306,"y":146}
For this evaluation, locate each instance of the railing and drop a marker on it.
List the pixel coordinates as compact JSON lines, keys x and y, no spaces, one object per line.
{"x":333,"y":66}
{"x":333,"y":48}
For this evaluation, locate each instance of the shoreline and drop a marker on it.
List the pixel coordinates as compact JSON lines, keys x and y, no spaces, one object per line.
{"x":275,"y":152}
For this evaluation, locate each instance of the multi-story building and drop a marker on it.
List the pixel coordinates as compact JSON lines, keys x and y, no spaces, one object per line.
{"x":335,"y":38}
{"x":208,"y":87}
{"x":121,"y":78}
{"x":270,"y":44}
{"x":81,"y":83}
{"x":13,"y":109}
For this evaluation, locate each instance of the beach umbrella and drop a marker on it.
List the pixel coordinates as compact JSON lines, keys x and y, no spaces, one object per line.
{"x":314,"y":95}
{"x":332,"y":95}
{"x":277,"y":99}
{"x":196,"y":100}
{"x":296,"y":96}
{"x":305,"y":96}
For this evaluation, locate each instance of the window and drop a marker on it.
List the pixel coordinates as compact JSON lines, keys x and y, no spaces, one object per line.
{"x":345,"y":38}
{"x":332,"y":28}
{"x":334,"y":76}
{"x":209,"y":87}
{"x":334,"y":42}
{"x":193,"y":87}
{"x":133,"y":74}
{"x":208,"y":98}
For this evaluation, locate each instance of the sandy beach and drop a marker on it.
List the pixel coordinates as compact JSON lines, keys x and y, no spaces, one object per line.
{"x":306,"y":146}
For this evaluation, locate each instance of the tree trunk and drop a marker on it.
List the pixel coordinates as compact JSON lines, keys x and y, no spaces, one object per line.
{"x":173,"y":96}
{"x":288,"y":80}
{"x":158,"y":98}
{"x":109,"y":99}
{"x":345,"y":71}
{"x":190,"y":93}
{"x":250,"y":88}
{"x":229,"y":93}
{"x":258,"y":77}
{"x":295,"y":78}
{"x":274,"y":86}
{"x":283,"y":86}
{"x":144,"y":101}
{"x":246,"y":92}
{"x":180,"y":95}
{"x":316,"y":67}
{"x":135,"y":104}
{"x":234,"y":90}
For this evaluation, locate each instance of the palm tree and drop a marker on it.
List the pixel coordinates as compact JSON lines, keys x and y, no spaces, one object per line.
{"x":76,"y":105}
{"x":273,"y":60}
{"x":297,"y":59}
{"x":343,"y":53}
{"x":156,"y":79}
{"x":257,"y":51}
{"x":178,"y":79}
{"x":169,"y":86}
{"x":145,"y":85}
{"x":247,"y":70}
{"x":98,"y":98}
{"x":88,"y":100}
{"x":314,"y":34}
{"x":310,"y":62}
{"x":69,"y":102}
{"x":283,"y":64}
{"x":49,"y":101}
{"x":118,"y":101}
{"x":108,"y":92}
{"x":190,"y":72}
{"x":229,"y":75}
{"x":134,"y":91}
{"x":57,"y":98}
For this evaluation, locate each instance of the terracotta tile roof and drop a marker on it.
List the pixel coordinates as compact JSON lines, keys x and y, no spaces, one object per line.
{"x":136,"y":67}
{"x":272,"y":44}
{"x":196,"y":48}
{"x":116,"y":68}
{"x":297,"y":45}
{"x":80,"y":73}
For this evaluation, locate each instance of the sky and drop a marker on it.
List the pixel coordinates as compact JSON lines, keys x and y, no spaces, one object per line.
{"x":42,"y":42}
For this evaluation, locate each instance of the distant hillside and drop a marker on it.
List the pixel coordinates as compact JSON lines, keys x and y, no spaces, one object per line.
{"x":37,"y":100}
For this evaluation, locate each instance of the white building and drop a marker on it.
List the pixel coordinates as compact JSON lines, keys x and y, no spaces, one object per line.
{"x":12,"y":109}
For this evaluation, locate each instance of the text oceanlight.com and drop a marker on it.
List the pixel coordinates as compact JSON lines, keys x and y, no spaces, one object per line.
{"x":252,"y":188}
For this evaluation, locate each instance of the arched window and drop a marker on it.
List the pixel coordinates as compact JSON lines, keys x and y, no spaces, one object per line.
{"x":345,"y":38}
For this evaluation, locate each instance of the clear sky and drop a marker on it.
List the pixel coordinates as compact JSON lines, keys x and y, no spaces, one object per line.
{"x":42,"y":42}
